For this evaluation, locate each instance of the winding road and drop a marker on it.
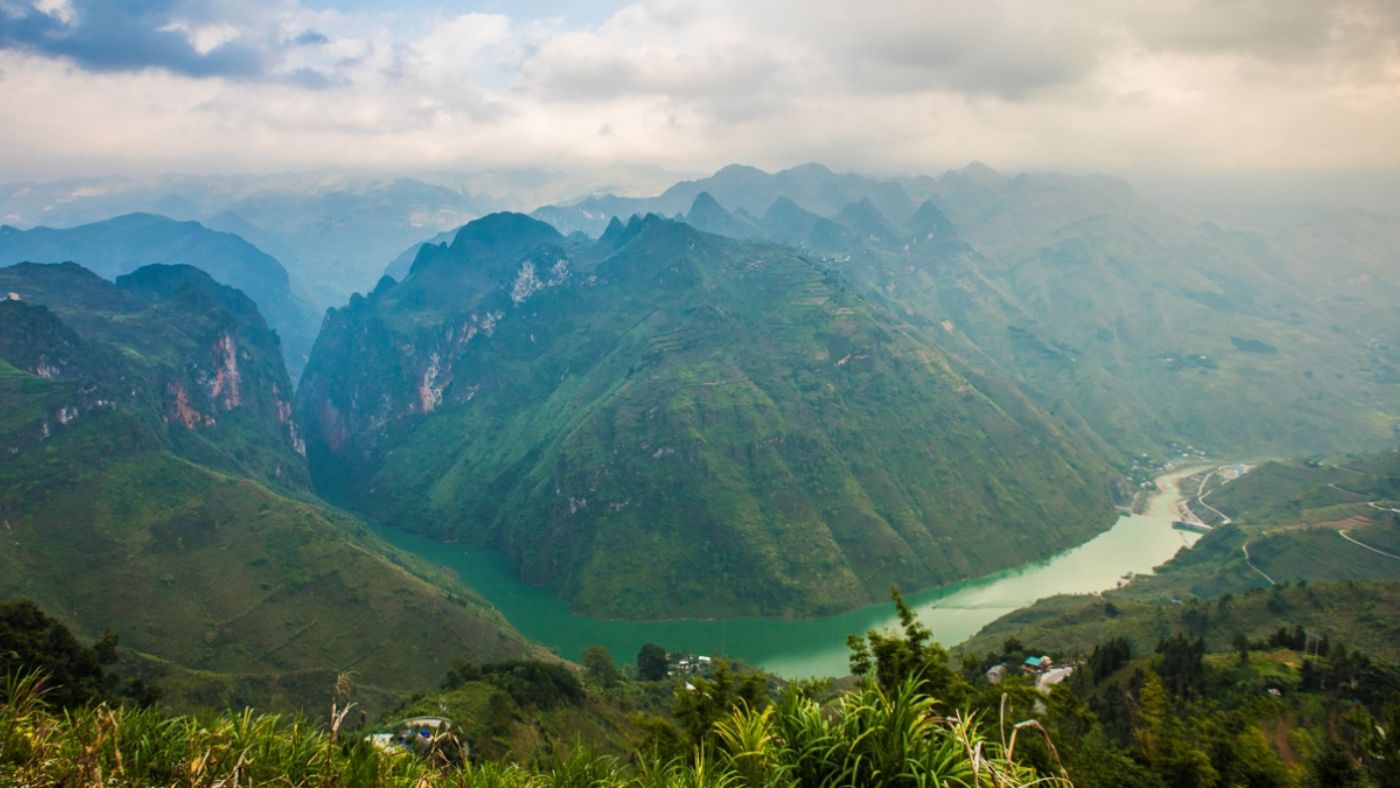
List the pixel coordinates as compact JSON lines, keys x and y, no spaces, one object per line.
{"x":1347,"y":537}
{"x":1245,"y":548}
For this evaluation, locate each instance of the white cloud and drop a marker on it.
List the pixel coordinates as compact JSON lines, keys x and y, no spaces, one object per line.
{"x":1167,"y":85}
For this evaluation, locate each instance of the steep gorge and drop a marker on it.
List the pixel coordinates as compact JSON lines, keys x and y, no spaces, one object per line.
{"x":669,"y":423}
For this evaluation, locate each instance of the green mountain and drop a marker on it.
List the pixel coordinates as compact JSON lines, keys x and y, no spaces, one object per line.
{"x":121,"y":245}
{"x":153,"y":485}
{"x":1155,"y":331}
{"x":671,"y":423}
{"x":193,"y":356}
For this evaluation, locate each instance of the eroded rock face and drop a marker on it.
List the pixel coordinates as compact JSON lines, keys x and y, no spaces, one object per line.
{"x":169,"y":344}
{"x":221,"y":384}
{"x":224,"y":386}
{"x":180,"y":412}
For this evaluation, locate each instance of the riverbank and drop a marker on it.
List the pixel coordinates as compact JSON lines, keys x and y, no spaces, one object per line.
{"x":817,"y":647}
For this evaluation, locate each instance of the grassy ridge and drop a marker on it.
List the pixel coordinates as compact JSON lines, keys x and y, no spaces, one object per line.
{"x":218,"y":574}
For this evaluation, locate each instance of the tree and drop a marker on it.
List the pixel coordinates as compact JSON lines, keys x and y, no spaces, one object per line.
{"x":1180,"y":665}
{"x":599,"y":667}
{"x":1241,"y":644}
{"x":529,"y":682}
{"x":1165,"y":742}
{"x":1380,"y":746}
{"x":895,"y":658}
{"x":1109,"y":657}
{"x":32,"y":641}
{"x":651,"y":663}
{"x":1331,"y":768}
{"x":703,"y":702}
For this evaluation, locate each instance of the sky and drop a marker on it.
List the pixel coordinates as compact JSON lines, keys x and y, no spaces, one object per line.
{"x":1209,"y":88}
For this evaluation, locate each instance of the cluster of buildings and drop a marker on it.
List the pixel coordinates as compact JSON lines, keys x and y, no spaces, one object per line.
{"x":689,"y":665}
{"x":1031,"y":666}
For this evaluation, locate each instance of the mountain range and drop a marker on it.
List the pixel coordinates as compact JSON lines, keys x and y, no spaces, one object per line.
{"x":122,"y":244}
{"x":1152,"y":329}
{"x":332,"y":229}
{"x":154,"y":483}
{"x":751,"y":395}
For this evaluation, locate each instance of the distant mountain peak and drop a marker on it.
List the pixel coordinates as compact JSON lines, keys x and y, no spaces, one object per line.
{"x":930,"y":219}
{"x":730,"y":170}
{"x":707,"y":214}
{"x":809,"y":168}
{"x":706,"y":202}
{"x":615,"y":235}
{"x":862,"y":215}
{"x":122,"y":244}
{"x":980,"y":174}
{"x":784,"y":204}
{"x":506,"y":225}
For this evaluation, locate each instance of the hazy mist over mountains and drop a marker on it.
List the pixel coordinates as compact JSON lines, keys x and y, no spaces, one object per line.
{"x":555,"y":384}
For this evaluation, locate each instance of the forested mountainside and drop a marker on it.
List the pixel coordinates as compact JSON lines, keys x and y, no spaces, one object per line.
{"x":1158,"y":332}
{"x":666,"y":422}
{"x":120,"y":245}
{"x":192,"y":356}
{"x":153,"y":483}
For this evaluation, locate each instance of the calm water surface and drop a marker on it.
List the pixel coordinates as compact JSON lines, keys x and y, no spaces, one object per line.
{"x":817,"y":647}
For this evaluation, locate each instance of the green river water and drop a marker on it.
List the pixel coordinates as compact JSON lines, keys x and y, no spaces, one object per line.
{"x":817,"y":647}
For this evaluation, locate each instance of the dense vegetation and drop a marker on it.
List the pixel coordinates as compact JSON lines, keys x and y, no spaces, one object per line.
{"x":670,"y":423}
{"x":1278,"y":712}
{"x":30,"y":639}
{"x":152,"y":483}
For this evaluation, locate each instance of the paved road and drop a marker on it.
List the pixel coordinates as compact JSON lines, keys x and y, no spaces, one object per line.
{"x":1347,"y":537}
{"x":1052,"y":677}
{"x":1201,"y":499}
{"x":1245,"y":548}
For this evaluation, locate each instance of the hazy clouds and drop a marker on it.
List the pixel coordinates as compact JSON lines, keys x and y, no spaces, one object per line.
{"x":1127,"y":85}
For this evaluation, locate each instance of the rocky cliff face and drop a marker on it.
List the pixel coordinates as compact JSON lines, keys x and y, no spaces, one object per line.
{"x":190,"y":356}
{"x":670,"y":423}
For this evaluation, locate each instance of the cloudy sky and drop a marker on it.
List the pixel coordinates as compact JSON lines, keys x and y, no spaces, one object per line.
{"x":1208,"y":87}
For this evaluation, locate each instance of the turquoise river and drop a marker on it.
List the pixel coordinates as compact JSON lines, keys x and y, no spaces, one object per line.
{"x":817,"y":647}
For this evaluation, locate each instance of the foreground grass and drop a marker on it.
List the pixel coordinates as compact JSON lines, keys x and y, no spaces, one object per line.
{"x":866,"y":737}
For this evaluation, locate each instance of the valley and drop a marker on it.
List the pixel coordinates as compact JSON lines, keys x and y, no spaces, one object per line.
{"x":814,"y":647}
{"x":715,"y":441}
{"x":664,"y":393}
{"x":726,"y":434}
{"x":729,"y":432}
{"x":669,"y":423}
